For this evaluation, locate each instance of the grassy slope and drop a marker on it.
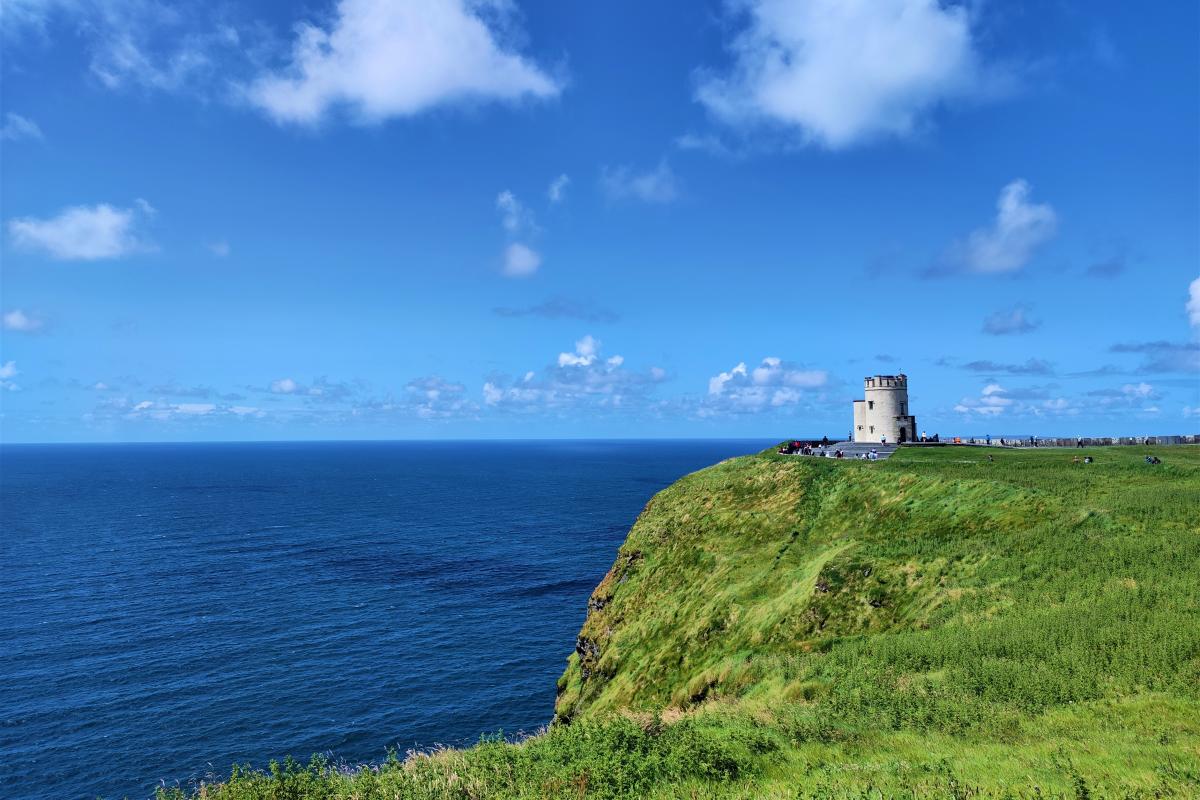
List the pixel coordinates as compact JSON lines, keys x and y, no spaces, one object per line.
{"x":931,"y":625}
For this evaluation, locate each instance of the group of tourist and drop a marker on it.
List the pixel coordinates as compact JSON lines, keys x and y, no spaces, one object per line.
{"x":803,"y":448}
{"x":822,"y":450}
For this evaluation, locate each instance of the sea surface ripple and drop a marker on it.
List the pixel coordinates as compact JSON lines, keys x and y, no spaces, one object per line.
{"x":169,"y":610}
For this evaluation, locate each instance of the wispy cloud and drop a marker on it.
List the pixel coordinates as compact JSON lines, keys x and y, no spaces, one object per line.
{"x":17,"y":128}
{"x":146,"y":44}
{"x":561,"y":308}
{"x":380,"y":59}
{"x":658,"y":185}
{"x":1163,"y":356}
{"x":1006,"y":246}
{"x":82,"y":233}
{"x":1033,"y":366}
{"x":514,"y":216}
{"x":708,"y":143}
{"x":841,"y":73}
{"x":1109,"y":267}
{"x":173,"y":389}
{"x":1014,"y":321}
{"x":557,"y":191}
{"x":1193,"y":303}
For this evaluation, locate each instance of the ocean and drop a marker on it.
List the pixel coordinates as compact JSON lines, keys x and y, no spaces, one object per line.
{"x":168,"y":610}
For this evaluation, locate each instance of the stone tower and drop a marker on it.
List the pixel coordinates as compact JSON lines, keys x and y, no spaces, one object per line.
{"x":883,"y":411}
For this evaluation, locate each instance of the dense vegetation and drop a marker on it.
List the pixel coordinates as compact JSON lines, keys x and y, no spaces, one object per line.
{"x":933,"y":625}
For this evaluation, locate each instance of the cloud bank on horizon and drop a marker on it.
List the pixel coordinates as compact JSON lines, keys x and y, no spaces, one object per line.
{"x":376,"y":218}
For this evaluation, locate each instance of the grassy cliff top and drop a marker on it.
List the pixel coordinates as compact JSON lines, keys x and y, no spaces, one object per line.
{"x":987,"y":588}
{"x":932,"y":625}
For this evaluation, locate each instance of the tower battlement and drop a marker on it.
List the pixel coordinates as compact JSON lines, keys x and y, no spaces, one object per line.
{"x":885,"y":381}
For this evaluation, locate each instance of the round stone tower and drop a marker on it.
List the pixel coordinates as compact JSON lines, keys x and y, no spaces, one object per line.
{"x":882,"y":414}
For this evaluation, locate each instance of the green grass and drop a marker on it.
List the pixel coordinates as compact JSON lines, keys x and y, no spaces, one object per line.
{"x":933,"y":625}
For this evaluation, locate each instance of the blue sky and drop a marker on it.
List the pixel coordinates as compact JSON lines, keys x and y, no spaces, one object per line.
{"x":449,"y":218}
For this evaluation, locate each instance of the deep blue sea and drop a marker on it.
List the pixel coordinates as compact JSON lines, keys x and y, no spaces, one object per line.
{"x":168,"y":610}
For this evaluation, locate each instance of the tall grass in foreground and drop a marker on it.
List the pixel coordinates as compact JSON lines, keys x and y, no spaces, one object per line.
{"x":935,"y":625}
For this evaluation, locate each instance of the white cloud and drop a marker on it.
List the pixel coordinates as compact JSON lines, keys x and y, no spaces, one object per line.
{"x":1191,"y":411}
{"x":1016,"y":321}
{"x":381,"y":59}
{"x":8,"y":371}
{"x":841,"y":72}
{"x":163,"y":411}
{"x":436,"y":398}
{"x":993,"y":401}
{"x":1129,"y":397}
{"x":586,"y":350}
{"x":581,"y":378}
{"x":17,"y":128}
{"x":1193,"y":303}
{"x":557,"y":191}
{"x":716,"y":385}
{"x":320,"y":391}
{"x":1138,"y":389}
{"x":81,"y":233}
{"x":520,"y":261}
{"x":774,"y":383}
{"x":18,"y":320}
{"x":220,"y":248}
{"x":1020,"y":228}
{"x":658,"y":185}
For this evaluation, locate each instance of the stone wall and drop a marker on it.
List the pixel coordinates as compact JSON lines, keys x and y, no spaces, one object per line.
{"x":1073,"y":441}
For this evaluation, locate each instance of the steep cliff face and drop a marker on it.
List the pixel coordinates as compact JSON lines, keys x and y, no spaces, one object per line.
{"x":771,"y":580}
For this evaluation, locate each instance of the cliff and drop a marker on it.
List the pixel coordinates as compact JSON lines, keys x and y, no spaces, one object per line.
{"x":933,"y":625}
